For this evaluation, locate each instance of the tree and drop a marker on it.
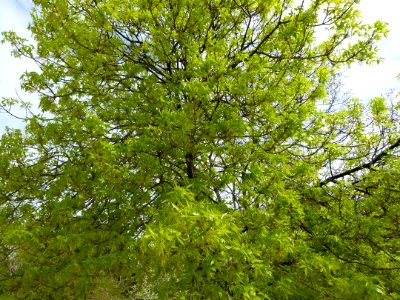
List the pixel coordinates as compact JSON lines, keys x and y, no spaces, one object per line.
{"x":199,"y":149}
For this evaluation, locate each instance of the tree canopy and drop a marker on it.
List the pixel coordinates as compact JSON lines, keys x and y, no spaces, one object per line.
{"x":199,"y":150}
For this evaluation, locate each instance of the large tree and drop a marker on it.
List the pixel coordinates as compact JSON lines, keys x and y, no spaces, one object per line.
{"x":199,"y":149}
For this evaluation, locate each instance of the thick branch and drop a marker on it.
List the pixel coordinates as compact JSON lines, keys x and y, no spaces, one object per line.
{"x":367,"y":165}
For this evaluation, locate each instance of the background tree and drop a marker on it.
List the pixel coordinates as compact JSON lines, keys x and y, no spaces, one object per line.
{"x":197,"y":149}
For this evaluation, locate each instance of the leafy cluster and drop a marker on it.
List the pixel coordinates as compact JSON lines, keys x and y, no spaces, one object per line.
{"x":199,"y":149}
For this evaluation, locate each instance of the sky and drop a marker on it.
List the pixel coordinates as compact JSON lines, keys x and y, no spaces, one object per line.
{"x":14,"y":15}
{"x":364,"y":82}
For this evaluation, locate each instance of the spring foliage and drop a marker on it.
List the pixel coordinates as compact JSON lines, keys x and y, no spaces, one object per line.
{"x":199,"y":149}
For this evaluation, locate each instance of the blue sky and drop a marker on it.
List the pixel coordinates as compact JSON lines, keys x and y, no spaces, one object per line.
{"x":362,"y":81}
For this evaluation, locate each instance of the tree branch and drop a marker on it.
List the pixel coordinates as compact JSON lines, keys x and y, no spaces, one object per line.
{"x":367,"y":165}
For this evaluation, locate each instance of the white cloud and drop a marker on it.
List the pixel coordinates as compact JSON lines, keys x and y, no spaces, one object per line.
{"x":364,"y":81}
{"x":14,"y":15}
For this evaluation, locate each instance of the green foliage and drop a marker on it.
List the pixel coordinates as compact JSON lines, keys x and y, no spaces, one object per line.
{"x":199,"y":150}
